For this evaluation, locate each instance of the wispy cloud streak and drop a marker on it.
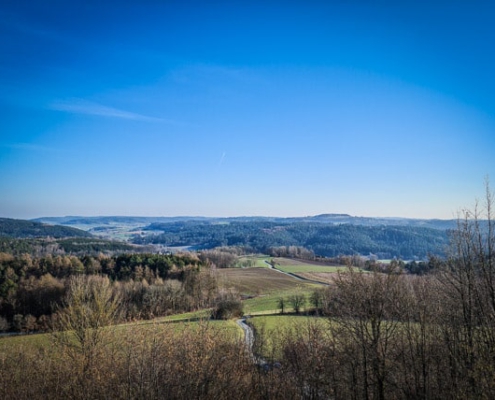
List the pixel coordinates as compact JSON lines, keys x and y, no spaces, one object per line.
{"x":222,"y":158}
{"x":78,"y":106}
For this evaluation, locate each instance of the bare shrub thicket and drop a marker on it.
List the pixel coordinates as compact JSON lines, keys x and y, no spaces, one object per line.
{"x":145,"y":362}
{"x":397,"y":336}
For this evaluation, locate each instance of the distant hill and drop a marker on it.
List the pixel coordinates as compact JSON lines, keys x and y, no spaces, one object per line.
{"x":113,"y":220}
{"x":88,"y":223}
{"x":442,"y":224}
{"x":326,"y":234}
{"x":406,"y":242}
{"x":20,"y":229}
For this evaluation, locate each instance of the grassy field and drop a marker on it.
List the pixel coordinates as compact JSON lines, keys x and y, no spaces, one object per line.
{"x":37,"y":342}
{"x":255,"y":281}
{"x":262,"y":286}
{"x":273,"y":328}
{"x":324,"y":277}
{"x":296,"y":266}
{"x":228,"y":326}
{"x":254,"y":261}
{"x":273,"y":323}
{"x":268,"y":303}
{"x":189,"y":316}
{"x":17,"y":343}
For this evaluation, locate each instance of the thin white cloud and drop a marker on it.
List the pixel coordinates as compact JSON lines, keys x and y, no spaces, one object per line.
{"x":222,"y":158}
{"x":78,"y":106}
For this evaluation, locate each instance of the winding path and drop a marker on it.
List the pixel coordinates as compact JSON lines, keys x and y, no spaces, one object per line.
{"x":249,"y":340}
{"x":248,"y":331}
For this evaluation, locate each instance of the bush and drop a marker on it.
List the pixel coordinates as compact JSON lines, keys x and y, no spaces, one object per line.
{"x":228,"y":308}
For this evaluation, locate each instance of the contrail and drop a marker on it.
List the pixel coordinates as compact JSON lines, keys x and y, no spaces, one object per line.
{"x":221,"y":159}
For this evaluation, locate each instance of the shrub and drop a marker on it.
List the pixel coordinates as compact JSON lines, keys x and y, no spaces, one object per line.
{"x":228,"y":308}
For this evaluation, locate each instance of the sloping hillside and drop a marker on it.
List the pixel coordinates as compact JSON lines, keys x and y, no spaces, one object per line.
{"x":17,"y":228}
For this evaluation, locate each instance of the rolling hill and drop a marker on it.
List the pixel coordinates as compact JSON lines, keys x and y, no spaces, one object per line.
{"x":21,"y":229}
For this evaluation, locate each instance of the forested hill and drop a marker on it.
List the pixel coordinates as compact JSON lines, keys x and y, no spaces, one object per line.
{"x":329,"y":240}
{"x":20,"y":229}
{"x":332,"y":219}
{"x":324,"y":234}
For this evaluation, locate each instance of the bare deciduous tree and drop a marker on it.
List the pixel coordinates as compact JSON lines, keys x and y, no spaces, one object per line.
{"x":297,"y":301}
{"x":82,"y":328}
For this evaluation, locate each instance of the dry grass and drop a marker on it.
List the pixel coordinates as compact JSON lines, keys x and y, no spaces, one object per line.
{"x":255,"y":281}
{"x":326,"y":277}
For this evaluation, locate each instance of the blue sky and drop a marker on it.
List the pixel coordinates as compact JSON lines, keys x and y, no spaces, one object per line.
{"x":245,"y":108}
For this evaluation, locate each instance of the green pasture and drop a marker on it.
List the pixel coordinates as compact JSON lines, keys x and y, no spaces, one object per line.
{"x":268,"y":303}
{"x":263,"y":261}
{"x":189,"y":316}
{"x":254,"y":261}
{"x":20,"y":342}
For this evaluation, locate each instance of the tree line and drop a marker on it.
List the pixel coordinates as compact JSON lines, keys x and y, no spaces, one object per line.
{"x":38,"y":247}
{"x":33,"y":290}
